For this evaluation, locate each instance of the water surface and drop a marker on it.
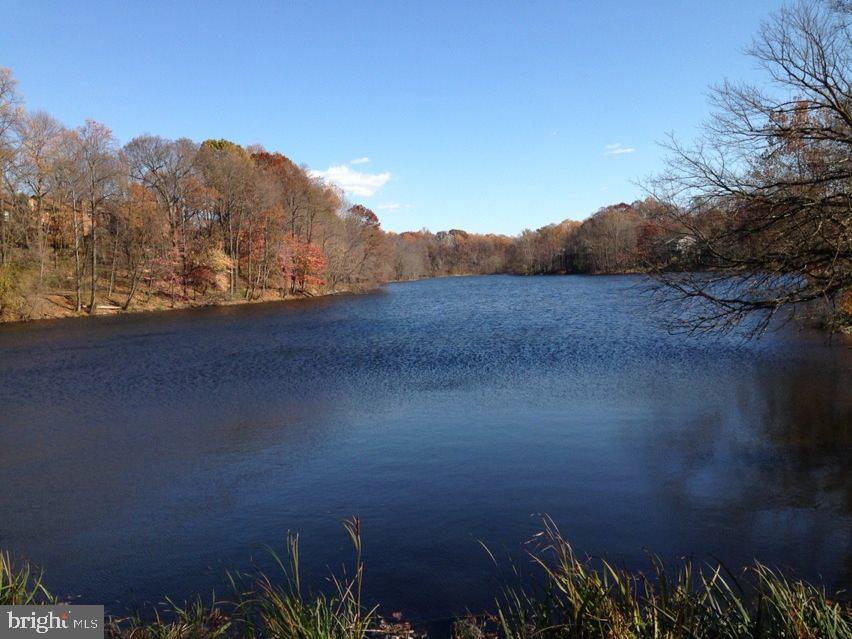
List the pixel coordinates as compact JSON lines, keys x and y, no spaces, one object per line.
{"x":142,"y":455}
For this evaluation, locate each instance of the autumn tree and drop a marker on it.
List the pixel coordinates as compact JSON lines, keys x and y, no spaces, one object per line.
{"x":10,"y":113}
{"x":355,"y":249}
{"x":545,"y":250}
{"x":101,"y":171}
{"x":168,"y":167}
{"x":408,"y":255}
{"x":607,"y":242}
{"x":766,"y":194}
{"x":230,"y":173}
{"x":69,"y":177}
{"x":39,"y":137}
{"x":145,"y":228}
{"x":294,"y":191}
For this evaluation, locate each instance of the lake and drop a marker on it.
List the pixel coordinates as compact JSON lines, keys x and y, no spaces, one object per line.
{"x":142,"y":455}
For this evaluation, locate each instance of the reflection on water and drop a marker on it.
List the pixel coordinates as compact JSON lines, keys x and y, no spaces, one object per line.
{"x":142,"y":455}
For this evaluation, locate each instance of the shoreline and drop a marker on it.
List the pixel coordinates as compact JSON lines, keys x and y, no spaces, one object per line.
{"x":64,"y":313}
{"x":60,"y":304}
{"x":162,"y":304}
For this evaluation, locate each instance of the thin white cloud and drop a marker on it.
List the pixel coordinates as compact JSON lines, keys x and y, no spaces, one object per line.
{"x":616,"y":148}
{"x":362,"y":160}
{"x":390,"y":207}
{"x":351,"y":181}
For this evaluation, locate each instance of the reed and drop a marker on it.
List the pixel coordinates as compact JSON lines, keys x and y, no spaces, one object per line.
{"x":586,"y":599}
{"x":193,"y":620}
{"x":21,"y":585}
{"x":284,"y":610}
{"x":569,"y":598}
{"x":263,"y":606}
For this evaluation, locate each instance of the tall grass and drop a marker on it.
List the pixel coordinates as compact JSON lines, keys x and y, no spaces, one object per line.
{"x":572,"y":598}
{"x":21,"y":585}
{"x":194,"y":620}
{"x":283,"y":610}
{"x":585,"y":599}
{"x":264,"y":606}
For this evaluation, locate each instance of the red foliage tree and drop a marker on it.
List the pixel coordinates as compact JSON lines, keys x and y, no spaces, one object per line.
{"x":302,"y":264}
{"x":361,"y":211}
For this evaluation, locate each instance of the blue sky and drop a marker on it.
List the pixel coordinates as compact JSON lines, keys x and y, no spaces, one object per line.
{"x":487,"y":116}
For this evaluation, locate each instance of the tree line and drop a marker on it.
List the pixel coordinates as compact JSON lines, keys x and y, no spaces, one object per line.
{"x":89,"y":224}
{"x":621,"y":238}
{"x":752,"y":219}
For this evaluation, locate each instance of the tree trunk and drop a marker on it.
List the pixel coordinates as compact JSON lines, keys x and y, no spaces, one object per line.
{"x":134,"y":282}
{"x":78,"y":276}
{"x":112,"y":267}
{"x":94,"y":298}
{"x":3,"y":223}
{"x":41,"y":242}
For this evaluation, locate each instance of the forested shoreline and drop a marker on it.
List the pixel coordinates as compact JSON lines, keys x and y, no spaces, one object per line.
{"x":760,"y":201}
{"x":88,"y":226}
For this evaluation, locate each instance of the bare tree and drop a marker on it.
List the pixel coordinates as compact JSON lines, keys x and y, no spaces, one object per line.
{"x":765,"y":196}
{"x":231,"y":175}
{"x":68,"y":179}
{"x":10,"y":113}
{"x":101,"y":170}
{"x":39,"y":136}
{"x":167,"y":168}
